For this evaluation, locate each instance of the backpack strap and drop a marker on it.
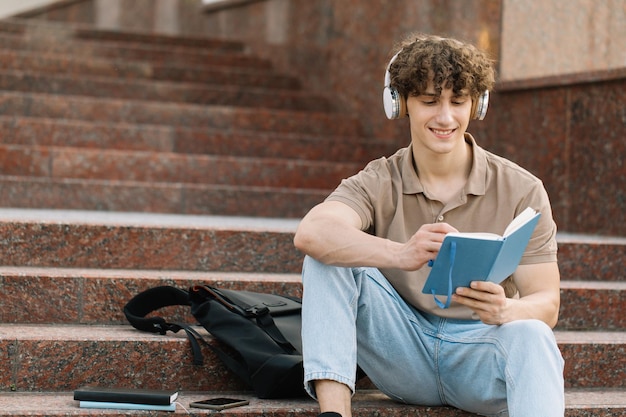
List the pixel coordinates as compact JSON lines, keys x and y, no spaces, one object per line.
{"x":154,"y":299}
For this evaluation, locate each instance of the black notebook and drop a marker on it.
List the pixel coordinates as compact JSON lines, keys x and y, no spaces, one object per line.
{"x":125,"y":395}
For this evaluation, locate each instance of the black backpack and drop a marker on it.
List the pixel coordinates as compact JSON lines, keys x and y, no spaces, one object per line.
{"x":262,"y":329}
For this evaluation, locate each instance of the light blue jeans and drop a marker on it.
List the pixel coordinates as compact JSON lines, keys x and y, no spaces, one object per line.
{"x":354,"y":315}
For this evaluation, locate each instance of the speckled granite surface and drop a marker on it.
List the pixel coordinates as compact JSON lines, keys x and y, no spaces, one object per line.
{"x":108,"y":241}
{"x":570,"y":136}
{"x":57,"y":357}
{"x":97,"y":296}
{"x":188,"y":140}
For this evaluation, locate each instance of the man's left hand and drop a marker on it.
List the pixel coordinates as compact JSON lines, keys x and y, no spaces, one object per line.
{"x":486,"y":299}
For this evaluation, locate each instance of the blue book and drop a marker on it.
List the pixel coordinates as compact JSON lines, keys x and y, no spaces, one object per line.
{"x":126,"y":406}
{"x":467,"y":257}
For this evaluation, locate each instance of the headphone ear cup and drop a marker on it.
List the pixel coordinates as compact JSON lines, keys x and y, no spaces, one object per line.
{"x":394,"y":103}
{"x":479,"y":110}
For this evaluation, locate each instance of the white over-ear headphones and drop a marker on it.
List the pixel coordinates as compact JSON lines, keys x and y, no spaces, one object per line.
{"x":395,"y":104}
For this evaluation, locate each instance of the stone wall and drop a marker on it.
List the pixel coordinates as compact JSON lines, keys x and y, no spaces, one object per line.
{"x":571,"y":133}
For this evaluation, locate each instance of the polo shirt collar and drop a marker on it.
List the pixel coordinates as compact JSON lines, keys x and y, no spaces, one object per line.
{"x":476,"y":183}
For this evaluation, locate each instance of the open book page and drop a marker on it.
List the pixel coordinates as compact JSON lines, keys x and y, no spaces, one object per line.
{"x":520,"y":220}
{"x":476,"y":235}
{"x":515,"y":224}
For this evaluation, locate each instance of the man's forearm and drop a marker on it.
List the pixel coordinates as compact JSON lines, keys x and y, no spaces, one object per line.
{"x":342,"y":245}
{"x":542,"y":306}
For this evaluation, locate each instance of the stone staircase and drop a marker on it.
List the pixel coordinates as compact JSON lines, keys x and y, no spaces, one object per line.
{"x":130,"y":160}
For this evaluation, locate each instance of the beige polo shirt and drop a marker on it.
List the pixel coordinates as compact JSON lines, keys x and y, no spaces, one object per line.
{"x":392,"y":203}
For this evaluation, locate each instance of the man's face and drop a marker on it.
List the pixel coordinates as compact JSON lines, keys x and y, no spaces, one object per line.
{"x":438,"y":122}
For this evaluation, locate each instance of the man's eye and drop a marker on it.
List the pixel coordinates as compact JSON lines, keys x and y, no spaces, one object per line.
{"x":429,"y":102}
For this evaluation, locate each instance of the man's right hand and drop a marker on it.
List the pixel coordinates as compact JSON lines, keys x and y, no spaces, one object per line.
{"x":423,"y":246}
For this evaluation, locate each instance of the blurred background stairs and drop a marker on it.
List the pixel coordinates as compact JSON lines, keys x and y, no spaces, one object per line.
{"x":131,"y":159}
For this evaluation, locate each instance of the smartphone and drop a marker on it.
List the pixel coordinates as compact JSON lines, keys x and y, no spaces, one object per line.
{"x":220,"y":403}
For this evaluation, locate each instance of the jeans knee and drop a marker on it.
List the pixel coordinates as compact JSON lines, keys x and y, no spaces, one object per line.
{"x":531,"y":337}
{"x":312,"y":269}
{"x":309,"y":265}
{"x":529,"y":330}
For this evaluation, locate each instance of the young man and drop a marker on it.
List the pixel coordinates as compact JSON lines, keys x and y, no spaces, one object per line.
{"x":368,"y":244}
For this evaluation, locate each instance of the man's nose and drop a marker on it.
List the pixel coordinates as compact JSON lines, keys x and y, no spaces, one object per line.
{"x":444,"y":113}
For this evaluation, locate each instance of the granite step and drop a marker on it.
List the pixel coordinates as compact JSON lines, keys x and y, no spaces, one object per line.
{"x":592,"y":305}
{"x":592,"y":257}
{"x":79,"y":239}
{"x":34,"y":131}
{"x":85,"y":32}
{"x":367,"y":403}
{"x":97,"y":296}
{"x":174,"y":199}
{"x":176,"y":114}
{"x":46,"y":42}
{"x":142,"y":166}
{"x":46,"y":357}
{"x":33,"y":27}
{"x":83,"y":239}
{"x":151,"y":90}
{"x":74,"y":66}
{"x":18,"y":130}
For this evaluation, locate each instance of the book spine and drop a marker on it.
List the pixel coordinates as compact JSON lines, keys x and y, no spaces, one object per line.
{"x":122,"y":397}
{"x":126,"y":406}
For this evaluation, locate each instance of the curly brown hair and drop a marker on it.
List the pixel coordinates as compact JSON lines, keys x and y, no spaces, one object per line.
{"x":447,"y":62}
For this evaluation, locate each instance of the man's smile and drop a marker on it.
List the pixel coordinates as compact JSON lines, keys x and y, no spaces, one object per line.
{"x":442,"y":132}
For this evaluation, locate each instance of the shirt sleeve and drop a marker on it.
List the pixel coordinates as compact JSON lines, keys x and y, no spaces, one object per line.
{"x":542,"y":246}
{"x":363,"y":190}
